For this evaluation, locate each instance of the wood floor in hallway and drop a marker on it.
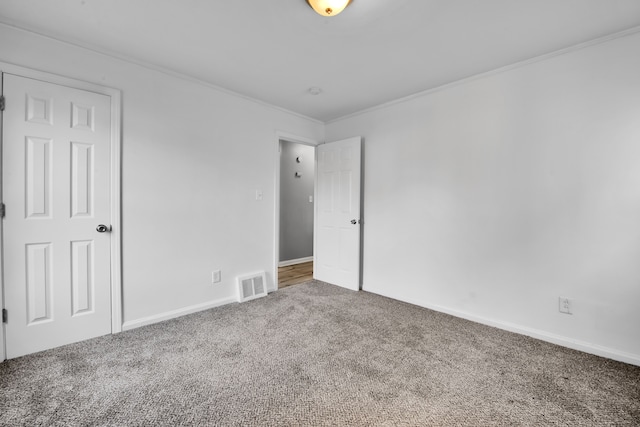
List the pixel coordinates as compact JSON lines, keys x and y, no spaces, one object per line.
{"x":295,"y":274}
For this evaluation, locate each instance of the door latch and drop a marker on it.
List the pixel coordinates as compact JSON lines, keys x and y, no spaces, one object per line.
{"x":103,"y":228}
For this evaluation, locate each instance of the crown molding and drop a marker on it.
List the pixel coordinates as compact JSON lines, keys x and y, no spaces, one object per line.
{"x":153,"y":67}
{"x":519,"y":64}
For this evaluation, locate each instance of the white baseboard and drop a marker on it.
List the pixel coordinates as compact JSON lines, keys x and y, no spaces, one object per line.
{"x":294,"y":261}
{"x":609,"y":353}
{"x":132,"y":324}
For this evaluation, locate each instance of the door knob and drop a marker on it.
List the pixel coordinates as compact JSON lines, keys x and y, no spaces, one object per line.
{"x":103,"y":228}
{"x":353,"y":221}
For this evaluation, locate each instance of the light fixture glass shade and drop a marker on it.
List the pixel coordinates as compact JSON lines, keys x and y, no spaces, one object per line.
{"x":328,"y":7}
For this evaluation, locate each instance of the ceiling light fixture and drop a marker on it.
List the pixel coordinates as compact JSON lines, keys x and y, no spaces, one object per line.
{"x":328,"y":7}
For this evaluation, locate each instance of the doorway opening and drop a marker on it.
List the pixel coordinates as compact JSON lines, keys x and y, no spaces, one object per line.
{"x":296,"y":213}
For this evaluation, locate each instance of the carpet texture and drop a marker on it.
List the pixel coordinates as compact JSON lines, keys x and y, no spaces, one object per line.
{"x":315,"y":354}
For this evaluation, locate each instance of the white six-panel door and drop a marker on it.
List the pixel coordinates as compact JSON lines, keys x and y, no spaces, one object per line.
{"x":337,"y":240}
{"x":56,"y":188}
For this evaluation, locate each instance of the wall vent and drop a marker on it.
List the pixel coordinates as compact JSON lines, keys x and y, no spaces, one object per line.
{"x":252,"y":286}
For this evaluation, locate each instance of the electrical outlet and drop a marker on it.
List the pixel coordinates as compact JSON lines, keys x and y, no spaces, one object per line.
{"x":565,"y":305}
{"x":216,"y":276}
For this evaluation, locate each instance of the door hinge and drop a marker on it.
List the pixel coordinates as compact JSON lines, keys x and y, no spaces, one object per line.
{"x":4,"y":315}
{"x":2,"y":210}
{"x":1,"y":103}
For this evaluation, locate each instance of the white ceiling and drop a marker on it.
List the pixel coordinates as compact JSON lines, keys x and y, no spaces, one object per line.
{"x":374,"y":52}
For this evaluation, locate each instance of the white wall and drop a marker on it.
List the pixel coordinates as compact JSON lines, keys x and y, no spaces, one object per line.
{"x":193,"y":157}
{"x":491,"y":198}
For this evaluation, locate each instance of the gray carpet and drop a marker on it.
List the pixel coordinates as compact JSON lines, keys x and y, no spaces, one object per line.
{"x":315,"y":354}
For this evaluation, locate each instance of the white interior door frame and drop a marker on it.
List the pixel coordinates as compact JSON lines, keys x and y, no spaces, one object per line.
{"x":115,"y":185}
{"x":280,"y":135}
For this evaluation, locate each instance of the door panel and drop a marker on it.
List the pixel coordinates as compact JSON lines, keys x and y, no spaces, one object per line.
{"x":81,"y":179}
{"x":337,"y":252}
{"x":38,"y":177}
{"x":82,"y":277}
{"x":38,"y":283}
{"x":56,"y":188}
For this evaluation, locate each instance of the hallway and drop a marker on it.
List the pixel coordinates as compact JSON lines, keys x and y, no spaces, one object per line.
{"x":295,"y":274}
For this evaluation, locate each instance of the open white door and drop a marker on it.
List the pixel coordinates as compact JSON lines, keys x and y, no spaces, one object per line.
{"x":56,"y":157}
{"x":337,"y":237}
